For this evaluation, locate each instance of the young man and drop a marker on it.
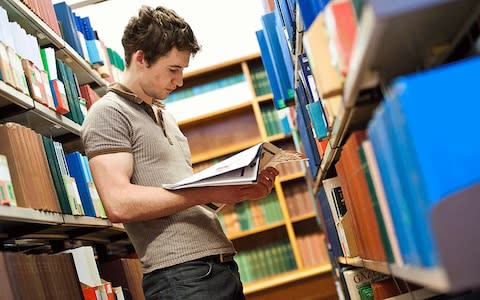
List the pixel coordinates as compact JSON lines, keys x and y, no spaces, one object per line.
{"x":134,"y":146}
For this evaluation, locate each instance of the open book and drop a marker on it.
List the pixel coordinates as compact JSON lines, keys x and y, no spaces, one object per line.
{"x":242,"y":168}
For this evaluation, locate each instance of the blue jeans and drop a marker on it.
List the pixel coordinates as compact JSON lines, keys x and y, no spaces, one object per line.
{"x":201,"y":279}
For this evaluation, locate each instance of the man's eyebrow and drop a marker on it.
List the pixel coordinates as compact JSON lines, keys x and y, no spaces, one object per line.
{"x":177,"y":66}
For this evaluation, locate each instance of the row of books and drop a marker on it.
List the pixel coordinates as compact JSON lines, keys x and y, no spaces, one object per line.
{"x":328,"y":44}
{"x":205,"y":88}
{"x":63,"y":183}
{"x":37,"y":73}
{"x":209,"y":97}
{"x":70,"y":274}
{"x":329,"y":33}
{"x":260,"y":81}
{"x":276,"y":59}
{"x":298,"y":198}
{"x":78,"y":32}
{"x":265,"y":261}
{"x":365,"y":284}
{"x":44,"y":10}
{"x":275,"y":121}
{"x":361,"y":283}
{"x":313,"y":249}
{"x":251,"y":214}
{"x":393,"y":175}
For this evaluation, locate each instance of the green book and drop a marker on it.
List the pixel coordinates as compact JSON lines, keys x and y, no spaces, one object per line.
{"x":56,"y":175}
{"x":376,"y":206}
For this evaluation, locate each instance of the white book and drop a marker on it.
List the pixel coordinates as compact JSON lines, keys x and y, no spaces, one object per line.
{"x":85,"y":264}
{"x":242,"y":168}
{"x":118,"y":293}
{"x":330,"y":185}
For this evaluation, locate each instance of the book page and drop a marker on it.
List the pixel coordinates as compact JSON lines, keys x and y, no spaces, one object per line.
{"x":238,"y":161}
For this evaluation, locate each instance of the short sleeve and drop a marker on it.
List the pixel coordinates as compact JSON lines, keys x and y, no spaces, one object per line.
{"x":106,"y":129}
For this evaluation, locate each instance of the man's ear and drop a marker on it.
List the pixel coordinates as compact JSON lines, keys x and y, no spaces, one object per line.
{"x":139,"y":58}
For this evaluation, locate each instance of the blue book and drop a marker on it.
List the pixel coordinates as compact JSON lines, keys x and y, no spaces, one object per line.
{"x":87,"y":29}
{"x":68,"y":24}
{"x":402,"y":160}
{"x":328,"y":222}
{"x":284,"y":47}
{"x":309,"y":9}
{"x":282,"y":9}
{"x":308,"y":141}
{"x":306,"y":76}
{"x":381,"y":142}
{"x":319,"y":122}
{"x":268,"y":64}
{"x":278,"y":60}
{"x":442,"y":155}
{"x":93,"y":53}
{"x":77,"y":171}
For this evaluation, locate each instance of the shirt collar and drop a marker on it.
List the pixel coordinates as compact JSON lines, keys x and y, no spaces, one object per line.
{"x":128,"y":94}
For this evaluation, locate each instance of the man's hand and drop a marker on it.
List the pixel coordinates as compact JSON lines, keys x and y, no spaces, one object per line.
{"x":232,"y":194}
{"x":264,"y":185}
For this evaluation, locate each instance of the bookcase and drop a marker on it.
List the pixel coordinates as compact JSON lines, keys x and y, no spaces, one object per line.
{"x":232,"y":126}
{"x":47,"y":228}
{"x":392,"y":45}
{"x":276,"y":236}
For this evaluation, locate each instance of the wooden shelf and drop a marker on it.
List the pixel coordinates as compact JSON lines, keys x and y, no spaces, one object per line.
{"x":264,"y":98}
{"x":219,"y":66}
{"x":253,"y":231}
{"x":86,"y":221}
{"x":434,"y":278}
{"x":278,"y":137}
{"x":35,"y":115}
{"x":304,"y":217}
{"x":285,"y":278}
{"x":28,"y":20}
{"x":9,"y":95}
{"x":228,"y":149}
{"x":214,"y":114}
{"x":291,"y":177}
{"x":27,"y":223}
{"x":28,"y":215}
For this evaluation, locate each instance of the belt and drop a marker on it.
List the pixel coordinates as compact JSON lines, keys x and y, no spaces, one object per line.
{"x":220,"y":258}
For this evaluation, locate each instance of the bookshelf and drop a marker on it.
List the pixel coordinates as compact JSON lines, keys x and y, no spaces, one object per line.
{"x":392,"y":40}
{"x":374,"y":61}
{"x":20,"y":13}
{"x":228,"y":130}
{"x":41,"y":234}
{"x":20,"y":223}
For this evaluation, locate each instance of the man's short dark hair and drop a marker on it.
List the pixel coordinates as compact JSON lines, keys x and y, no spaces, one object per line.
{"x":156,"y":31}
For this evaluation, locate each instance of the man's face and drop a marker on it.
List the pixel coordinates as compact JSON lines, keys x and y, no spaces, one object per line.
{"x":165,"y":75}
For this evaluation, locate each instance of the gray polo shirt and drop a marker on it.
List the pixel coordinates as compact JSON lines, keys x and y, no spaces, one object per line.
{"x":115,"y":124}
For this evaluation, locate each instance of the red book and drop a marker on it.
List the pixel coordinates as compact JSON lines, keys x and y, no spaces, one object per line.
{"x":361,"y":199}
{"x":58,"y":91}
{"x":345,"y":31}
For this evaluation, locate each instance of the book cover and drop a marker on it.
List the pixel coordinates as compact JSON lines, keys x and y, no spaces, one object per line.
{"x":357,"y":278}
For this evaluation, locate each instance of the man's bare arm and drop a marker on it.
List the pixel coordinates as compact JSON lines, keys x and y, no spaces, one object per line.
{"x":127,"y":202}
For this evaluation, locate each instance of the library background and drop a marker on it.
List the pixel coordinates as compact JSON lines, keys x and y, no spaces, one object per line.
{"x":380,"y":95}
